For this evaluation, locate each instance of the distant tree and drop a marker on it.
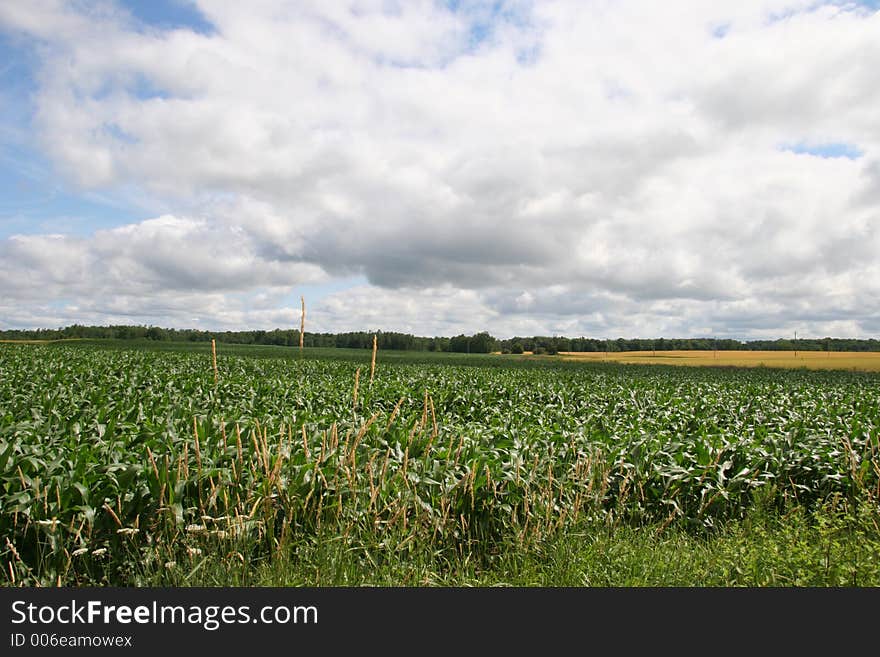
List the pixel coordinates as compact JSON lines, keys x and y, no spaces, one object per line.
{"x":482,"y":343}
{"x":156,"y":333}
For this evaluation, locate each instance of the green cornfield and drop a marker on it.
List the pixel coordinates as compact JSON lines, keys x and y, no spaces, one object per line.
{"x":121,"y":462}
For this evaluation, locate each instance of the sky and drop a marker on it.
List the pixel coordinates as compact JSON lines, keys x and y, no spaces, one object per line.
{"x":597,"y":168}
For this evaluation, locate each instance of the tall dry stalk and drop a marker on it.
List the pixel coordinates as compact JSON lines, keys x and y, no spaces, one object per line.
{"x":354,"y":402}
{"x":214,"y":358}
{"x":373,"y":361}
{"x":302,"y":323}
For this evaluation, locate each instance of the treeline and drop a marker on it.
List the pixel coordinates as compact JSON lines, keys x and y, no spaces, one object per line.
{"x":552,"y":345}
{"x":479,"y":343}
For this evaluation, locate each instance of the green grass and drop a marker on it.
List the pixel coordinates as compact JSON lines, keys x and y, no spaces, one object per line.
{"x":126,"y":464}
{"x":313,"y":353}
{"x":827,"y":547}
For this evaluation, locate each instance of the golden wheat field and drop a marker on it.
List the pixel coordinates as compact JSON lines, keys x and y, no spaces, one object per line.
{"x":819,"y":360}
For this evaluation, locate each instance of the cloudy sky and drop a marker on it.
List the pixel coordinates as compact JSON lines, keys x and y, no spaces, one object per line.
{"x":605,"y":168}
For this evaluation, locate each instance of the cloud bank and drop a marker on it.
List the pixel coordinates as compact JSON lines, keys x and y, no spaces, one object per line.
{"x":582,"y":168}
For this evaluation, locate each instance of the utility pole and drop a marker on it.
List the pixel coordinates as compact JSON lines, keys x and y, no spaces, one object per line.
{"x":795,"y":344}
{"x":302,"y":325}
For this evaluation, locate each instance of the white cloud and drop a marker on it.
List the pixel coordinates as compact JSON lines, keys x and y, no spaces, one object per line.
{"x":158,"y":256}
{"x":562,"y":166}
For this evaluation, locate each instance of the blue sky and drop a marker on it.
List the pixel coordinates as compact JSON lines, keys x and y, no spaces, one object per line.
{"x":826,"y":150}
{"x":169,"y":14}
{"x":33,"y":197}
{"x":579,"y":168}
